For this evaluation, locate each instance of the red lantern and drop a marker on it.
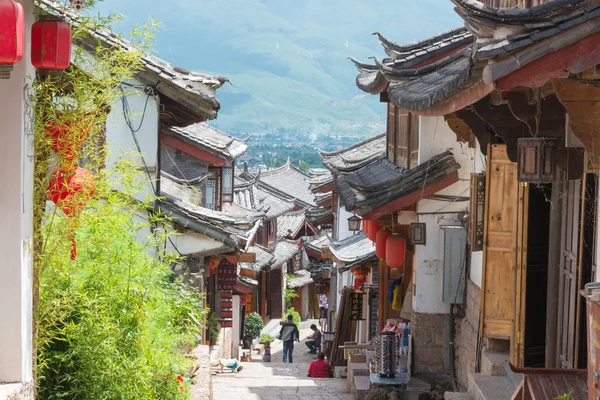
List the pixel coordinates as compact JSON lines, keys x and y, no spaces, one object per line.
{"x":66,"y":138}
{"x":360,"y":276}
{"x":380,"y":243}
{"x":70,"y":191}
{"x":395,"y":249}
{"x":51,"y":44}
{"x":358,"y":282}
{"x":374,"y":227}
{"x":12,"y":34}
{"x":365,"y":226}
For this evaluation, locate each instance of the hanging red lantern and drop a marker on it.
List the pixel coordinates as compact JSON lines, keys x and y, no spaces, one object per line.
{"x":66,"y":138}
{"x":12,"y":34}
{"x":374,"y":227}
{"x":365,"y":226}
{"x":380,"y":242}
{"x":395,"y":250}
{"x":51,"y":44}
{"x":358,"y":282}
{"x":360,"y":276}
{"x":70,"y":191}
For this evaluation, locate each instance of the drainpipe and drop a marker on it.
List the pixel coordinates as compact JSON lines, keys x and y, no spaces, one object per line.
{"x":450,"y":347}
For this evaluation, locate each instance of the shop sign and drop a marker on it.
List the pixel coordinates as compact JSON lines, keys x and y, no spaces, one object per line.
{"x":356,"y":306}
{"x":226,"y":275}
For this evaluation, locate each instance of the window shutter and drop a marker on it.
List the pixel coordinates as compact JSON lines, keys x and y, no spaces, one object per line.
{"x":403,"y":128}
{"x":391,"y":132}
{"x":414,"y":141}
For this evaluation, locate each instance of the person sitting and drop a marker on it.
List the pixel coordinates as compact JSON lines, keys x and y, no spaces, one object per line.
{"x":320,"y":368}
{"x":314,"y":340}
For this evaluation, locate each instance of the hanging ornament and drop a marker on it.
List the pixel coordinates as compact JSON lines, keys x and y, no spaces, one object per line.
{"x":12,"y":34}
{"x":380,"y":243}
{"x":360,"y":276}
{"x":50,"y":44}
{"x":71,"y":191}
{"x":395,"y":250}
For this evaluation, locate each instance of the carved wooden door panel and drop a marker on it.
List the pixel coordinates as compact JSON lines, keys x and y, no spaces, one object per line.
{"x":569,"y":258}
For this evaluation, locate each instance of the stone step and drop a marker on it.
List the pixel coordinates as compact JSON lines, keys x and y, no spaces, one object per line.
{"x":494,"y":363}
{"x":488,"y":387}
{"x":457,"y":396}
{"x":361,"y":386}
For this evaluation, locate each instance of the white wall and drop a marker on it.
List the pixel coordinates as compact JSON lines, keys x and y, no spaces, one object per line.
{"x":435,"y":138}
{"x":342,"y":222}
{"x":16,"y":230}
{"x":119,"y":137}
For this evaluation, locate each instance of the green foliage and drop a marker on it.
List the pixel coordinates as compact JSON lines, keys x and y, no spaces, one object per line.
{"x":253,"y":324}
{"x":213,"y":328}
{"x":289,"y":294}
{"x":114,"y":323}
{"x":265,"y":337}
{"x":566,"y":396}
{"x":296,"y":316}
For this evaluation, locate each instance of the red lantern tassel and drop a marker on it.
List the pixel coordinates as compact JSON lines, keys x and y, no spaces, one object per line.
{"x":73,"y":247}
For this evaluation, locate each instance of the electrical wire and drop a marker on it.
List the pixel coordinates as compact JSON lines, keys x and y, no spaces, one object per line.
{"x":127,"y":117}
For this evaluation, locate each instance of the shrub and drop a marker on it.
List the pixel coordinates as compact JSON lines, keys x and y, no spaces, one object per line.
{"x":296,"y":316}
{"x":253,"y":324}
{"x":265,"y":337}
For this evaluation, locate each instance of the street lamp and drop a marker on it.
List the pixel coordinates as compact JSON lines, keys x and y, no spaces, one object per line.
{"x":354,"y":223}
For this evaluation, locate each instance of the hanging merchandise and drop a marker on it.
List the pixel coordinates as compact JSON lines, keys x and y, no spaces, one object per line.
{"x":51,"y":44}
{"x":380,"y":243}
{"x":12,"y":31}
{"x":393,"y":286}
{"x":71,"y":191}
{"x":395,"y":248}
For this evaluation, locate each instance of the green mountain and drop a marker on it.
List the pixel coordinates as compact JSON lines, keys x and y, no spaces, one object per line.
{"x":287,"y":60}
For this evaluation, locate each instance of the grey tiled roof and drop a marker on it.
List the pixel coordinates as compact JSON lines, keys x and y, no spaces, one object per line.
{"x":356,"y":156}
{"x":289,"y":224}
{"x":251,"y":196}
{"x":284,"y":251}
{"x":299,"y":279}
{"x":238,"y":228}
{"x":503,"y":40}
{"x":290,"y":180}
{"x":264,"y":258}
{"x":198,"y":90}
{"x":353,"y":250}
{"x":319,"y":242}
{"x":382,"y":182}
{"x":209,"y":139}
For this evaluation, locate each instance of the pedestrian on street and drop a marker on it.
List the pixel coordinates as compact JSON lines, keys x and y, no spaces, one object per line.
{"x":288,"y":334}
{"x":320,"y":368}
{"x":314,"y":340}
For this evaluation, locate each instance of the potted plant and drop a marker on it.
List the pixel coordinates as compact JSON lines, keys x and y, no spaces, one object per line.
{"x":252,"y":327}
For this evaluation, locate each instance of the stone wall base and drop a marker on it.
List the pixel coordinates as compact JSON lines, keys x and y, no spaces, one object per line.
{"x":428,"y":336}
{"x":202,"y":381}
{"x":17,"y":391}
{"x":465,"y":339}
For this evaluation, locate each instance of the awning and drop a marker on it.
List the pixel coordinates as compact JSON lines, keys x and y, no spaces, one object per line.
{"x":246,"y":285}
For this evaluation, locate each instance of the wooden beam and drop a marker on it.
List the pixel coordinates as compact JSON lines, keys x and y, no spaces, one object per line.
{"x":582,"y":102}
{"x":572,"y":59}
{"x":543,"y":116}
{"x":412,"y":198}
{"x":482,"y":131}
{"x":459,"y":101}
{"x":191,"y":150}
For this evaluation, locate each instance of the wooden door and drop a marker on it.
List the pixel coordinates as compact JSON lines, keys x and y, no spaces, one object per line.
{"x":504,"y":253}
{"x":274,"y":294}
{"x":567,"y":284}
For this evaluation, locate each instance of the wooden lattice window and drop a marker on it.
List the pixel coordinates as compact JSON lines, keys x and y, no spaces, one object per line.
{"x":402,"y":137}
{"x":536,"y":160}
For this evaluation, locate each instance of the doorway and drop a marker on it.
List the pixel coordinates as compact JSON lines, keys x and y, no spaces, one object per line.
{"x":538,"y":246}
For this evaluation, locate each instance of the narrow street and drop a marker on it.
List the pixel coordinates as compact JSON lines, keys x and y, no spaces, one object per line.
{"x":278,"y":380}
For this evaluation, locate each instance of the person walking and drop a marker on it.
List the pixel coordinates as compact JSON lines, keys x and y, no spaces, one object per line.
{"x":288,"y":334}
{"x":314,"y":340}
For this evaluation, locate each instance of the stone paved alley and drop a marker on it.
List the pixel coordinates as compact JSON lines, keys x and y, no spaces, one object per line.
{"x":278,"y":380}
